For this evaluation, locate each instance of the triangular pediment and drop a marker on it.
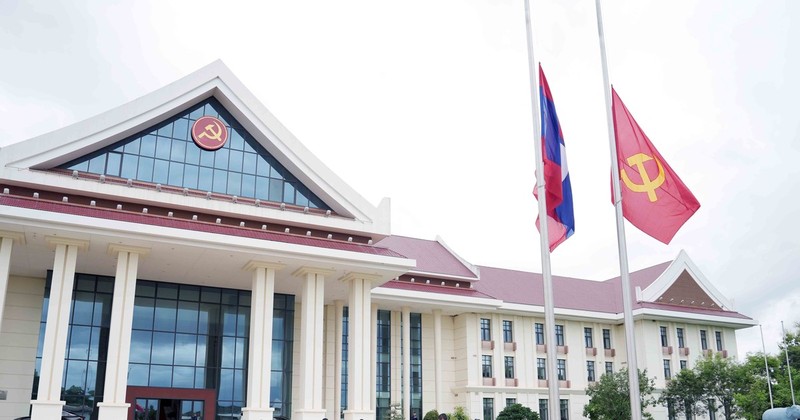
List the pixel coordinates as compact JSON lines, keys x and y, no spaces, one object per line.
{"x":683,"y":284}
{"x":262,"y":159}
{"x":167,"y":154}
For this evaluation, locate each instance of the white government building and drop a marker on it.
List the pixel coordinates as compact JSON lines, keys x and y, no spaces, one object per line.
{"x":184,"y":256}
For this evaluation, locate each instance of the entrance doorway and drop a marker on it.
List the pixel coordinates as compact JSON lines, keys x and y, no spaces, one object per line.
{"x":149,"y":403}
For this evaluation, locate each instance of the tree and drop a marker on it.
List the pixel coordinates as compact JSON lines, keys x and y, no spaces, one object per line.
{"x":517,"y":412}
{"x":431,"y":415}
{"x":685,"y":393}
{"x":459,"y":414}
{"x":609,"y":398}
{"x":722,"y":380}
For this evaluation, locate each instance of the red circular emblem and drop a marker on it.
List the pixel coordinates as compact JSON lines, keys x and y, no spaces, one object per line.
{"x":209,"y":133}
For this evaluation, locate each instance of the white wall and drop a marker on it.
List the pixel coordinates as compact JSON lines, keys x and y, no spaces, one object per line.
{"x":18,"y":342}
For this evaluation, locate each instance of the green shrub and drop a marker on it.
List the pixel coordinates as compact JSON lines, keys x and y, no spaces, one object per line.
{"x":431,"y":415}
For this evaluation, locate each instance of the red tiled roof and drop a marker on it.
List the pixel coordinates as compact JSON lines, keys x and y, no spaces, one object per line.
{"x":199,"y":226}
{"x":431,"y":256}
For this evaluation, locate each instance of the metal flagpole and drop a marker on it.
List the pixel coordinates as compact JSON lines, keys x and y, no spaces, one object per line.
{"x":766,"y":367}
{"x":788,"y":366}
{"x":549,"y":308}
{"x":630,"y":342}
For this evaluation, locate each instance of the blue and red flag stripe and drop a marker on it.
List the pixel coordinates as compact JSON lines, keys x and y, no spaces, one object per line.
{"x":558,"y":190}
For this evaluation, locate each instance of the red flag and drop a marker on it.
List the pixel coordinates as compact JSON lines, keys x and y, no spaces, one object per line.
{"x":654,"y":199}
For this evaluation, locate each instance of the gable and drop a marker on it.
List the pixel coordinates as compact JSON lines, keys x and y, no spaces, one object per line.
{"x":166,"y":154}
{"x":685,"y":291}
{"x":682,"y":283}
{"x":34,"y":163}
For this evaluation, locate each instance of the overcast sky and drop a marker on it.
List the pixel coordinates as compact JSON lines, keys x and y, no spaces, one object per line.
{"x":428,"y":102}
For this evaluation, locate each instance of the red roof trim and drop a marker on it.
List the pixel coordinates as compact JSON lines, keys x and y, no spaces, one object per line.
{"x":198,"y":226}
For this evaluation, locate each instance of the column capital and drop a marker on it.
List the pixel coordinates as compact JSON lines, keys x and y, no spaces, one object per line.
{"x":114,"y":249}
{"x":253,"y":265}
{"x":16,"y":236}
{"x":54,"y":241}
{"x":359,"y":276}
{"x":304,"y":271}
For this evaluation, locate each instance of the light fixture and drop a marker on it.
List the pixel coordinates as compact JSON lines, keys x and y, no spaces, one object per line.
{"x":169,"y":214}
{"x":75,"y":174}
{"x":194,"y":217}
{"x":158,"y":187}
{"x":327,"y":213}
{"x":286,"y":230}
{"x":258,"y":203}
{"x":241,"y":224}
{"x":219,"y":220}
{"x":235,"y":199}
{"x":102,"y":179}
{"x":119,"y":206}
{"x":305,"y":209}
{"x":283,"y":206}
{"x":144,"y":210}
{"x":185,"y":191}
{"x":92,"y":203}
{"x":65,"y":199}
{"x":263,"y":227}
{"x":35,"y":195}
{"x":129,"y":182}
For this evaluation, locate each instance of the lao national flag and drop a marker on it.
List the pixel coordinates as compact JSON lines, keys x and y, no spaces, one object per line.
{"x":654,"y":199}
{"x":558,"y":191}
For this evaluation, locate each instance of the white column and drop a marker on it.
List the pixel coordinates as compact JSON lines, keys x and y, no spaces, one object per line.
{"x":337,"y":363}
{"x":6,"y":244}
{"x":312,"y":371}
{"x":438,"y":359}
{"x":48,"y":404}
{"x":260,"y":353}
{"x":119,"y":337}
{"x":360,"y":369}
{"x":406,"y":350}
{"x":373,"y":389}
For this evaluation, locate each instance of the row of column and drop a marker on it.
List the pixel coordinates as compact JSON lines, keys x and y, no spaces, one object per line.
{"x":309,"y":402}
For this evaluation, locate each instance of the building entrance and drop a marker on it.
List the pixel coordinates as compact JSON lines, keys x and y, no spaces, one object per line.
{"x":149,"y":403}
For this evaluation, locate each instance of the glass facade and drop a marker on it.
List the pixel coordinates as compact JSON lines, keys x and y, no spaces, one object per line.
{"x":167,"y":155}
{"x":416,"y":362}
{"x":488,"y":409}
{"x":345,"y":357}
{"x":383,"y":380}
{"x":559,"y":335}
{"x":87,"y":343}
{"x":183,"y":336}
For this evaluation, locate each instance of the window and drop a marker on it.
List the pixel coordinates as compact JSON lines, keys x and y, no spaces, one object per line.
{"x":509,"y":363}
{"x":488,"y":409}
{"x":609,"y":367}
{"x":683,"y":364}
{"x":718,"y":337}
{"x":415,"y":370}
{"x":671,"y":411}
{"x":508,"y":332}
{"x":606,"y":338}
{"x":667,"y":369}
{"x":561,"y":369}
{"x":590,"y":371}
{"x":166,"y":154}
{"x":679,"y":332}
{"x":541,"y":369}
{"x":510,"y":401}
{"x":564,"y":409}
{"x":383,"y":377}
{"x":664,"y":339}
{"x":539,"y":332}
{"x":703,"y":340}
{"x":587,"y":337}
{"x":487,"y":366}
{"x":712,"y":409}
{"x":559,"y":335}
{"x":486,"y":330}
{"x":543,"y":409}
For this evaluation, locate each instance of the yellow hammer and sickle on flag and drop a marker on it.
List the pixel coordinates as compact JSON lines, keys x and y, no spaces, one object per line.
{"x":649,"y":186}
{"x":211,"y":134}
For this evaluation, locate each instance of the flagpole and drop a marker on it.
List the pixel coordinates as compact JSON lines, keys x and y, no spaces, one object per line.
{"x":788,"y":366}
{"x":766,"y":367}
{"x":547,"y":279}
{"x":630,"y":341}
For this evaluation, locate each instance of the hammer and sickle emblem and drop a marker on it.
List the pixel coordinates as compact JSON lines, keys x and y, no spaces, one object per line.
{"x":649,"y":186}
{"x":210,"y":134}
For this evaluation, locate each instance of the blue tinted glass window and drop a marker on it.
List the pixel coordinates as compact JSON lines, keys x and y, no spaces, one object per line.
{"x":167,"y":155}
